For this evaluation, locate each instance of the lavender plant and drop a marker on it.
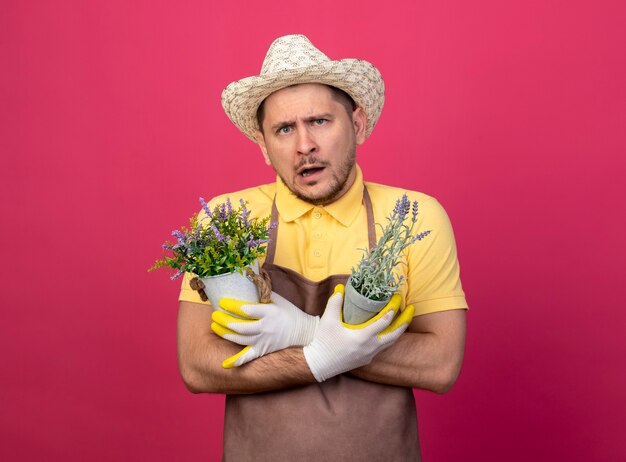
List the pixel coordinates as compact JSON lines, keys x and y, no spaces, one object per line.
{"x":223,"y":241}
{"x":374,"y":276}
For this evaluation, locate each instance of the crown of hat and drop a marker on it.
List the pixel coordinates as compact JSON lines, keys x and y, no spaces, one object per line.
{"x":291,"y":52}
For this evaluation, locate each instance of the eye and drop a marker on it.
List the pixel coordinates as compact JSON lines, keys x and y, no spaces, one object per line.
{"x":320,"y":121}
{"x":284,"y":130}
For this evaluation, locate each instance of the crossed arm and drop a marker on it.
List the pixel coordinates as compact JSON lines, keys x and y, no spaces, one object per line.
{"x":428,"y":356}
{"x":201,"y":352}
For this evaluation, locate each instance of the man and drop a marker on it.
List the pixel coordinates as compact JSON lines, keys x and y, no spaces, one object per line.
{"x":306,"y":386}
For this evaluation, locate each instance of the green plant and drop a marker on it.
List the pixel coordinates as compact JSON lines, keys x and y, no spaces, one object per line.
{"x":374,"y":275}
{"x":223,"y":241}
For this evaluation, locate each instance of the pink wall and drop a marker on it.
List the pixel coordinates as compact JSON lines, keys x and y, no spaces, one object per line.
{"x":511,"y":113}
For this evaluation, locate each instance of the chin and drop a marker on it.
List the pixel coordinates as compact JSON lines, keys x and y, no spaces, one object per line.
{"x":319,"y":198}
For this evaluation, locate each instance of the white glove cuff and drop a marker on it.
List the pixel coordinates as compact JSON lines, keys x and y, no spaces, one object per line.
{"x":304,"y":330}
{"x":314,"y":361}
{"x":323,"y":361}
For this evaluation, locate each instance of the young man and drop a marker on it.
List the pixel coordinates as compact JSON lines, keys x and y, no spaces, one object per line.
{"x":306,"y":386}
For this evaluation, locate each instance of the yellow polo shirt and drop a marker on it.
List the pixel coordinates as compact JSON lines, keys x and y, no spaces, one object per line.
{"x":317,"y":241}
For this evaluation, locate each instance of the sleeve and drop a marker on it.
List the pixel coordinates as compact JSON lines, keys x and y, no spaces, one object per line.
{"x":433,"y":280}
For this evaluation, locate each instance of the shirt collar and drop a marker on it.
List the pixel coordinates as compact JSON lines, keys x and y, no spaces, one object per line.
{"x":344,"y":210}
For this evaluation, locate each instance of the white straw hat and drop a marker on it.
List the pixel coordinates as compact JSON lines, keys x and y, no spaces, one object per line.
{"x":293,"y":59}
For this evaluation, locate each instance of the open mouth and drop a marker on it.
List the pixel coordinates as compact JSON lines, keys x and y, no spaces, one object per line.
{"x":310,"y":171}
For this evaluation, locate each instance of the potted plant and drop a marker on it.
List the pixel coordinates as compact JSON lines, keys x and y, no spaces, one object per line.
{"x":374,"y":281}
{"x":221,"y":248}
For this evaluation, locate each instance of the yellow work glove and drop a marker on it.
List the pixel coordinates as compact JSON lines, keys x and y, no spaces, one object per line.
{"x":263,"y":327}
{"x":338,"y":347}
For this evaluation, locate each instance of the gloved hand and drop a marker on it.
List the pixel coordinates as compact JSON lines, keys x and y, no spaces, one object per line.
{"x":338,"y":347}
{"x":264,"y":327}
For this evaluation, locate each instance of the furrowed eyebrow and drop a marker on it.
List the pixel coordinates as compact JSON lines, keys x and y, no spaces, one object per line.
{"x":319,"y":116}
{"x":290,"y":123}
{"x":278,"y":125}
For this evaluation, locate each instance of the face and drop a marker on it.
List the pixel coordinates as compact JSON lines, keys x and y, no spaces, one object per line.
{"x":310,"y":140}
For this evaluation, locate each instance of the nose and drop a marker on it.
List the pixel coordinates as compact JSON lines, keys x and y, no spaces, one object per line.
{"x":306,"y":142}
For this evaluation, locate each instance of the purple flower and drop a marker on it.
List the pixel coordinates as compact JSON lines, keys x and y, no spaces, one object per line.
{"x":206,"y":208}
{"x":180,"y":237}
{"x":420,"y":236}
{"x":255,"y":243}
{"x":403,"y":205}
{"x":245,"y":213}
{"x":397,"y":207}
{"x":217,"y":233}
{"x":415,"y":207}
{"x":178,"y":274}
{"x":229,"y":206}
{"x":181,"y":240}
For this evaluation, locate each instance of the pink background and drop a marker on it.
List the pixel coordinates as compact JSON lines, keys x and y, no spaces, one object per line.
{"x":512,"y":114}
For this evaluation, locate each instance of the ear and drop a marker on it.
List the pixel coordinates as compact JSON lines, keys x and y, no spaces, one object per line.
{"x":359,"y":120}
{"x":260,"y":139}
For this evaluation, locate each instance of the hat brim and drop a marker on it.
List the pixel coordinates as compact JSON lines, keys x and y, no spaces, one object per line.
{"x":360,"y":79}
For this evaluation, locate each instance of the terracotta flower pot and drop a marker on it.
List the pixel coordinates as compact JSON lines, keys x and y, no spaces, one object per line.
{"x":357,"y":308}
{"x":231,"y":285}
